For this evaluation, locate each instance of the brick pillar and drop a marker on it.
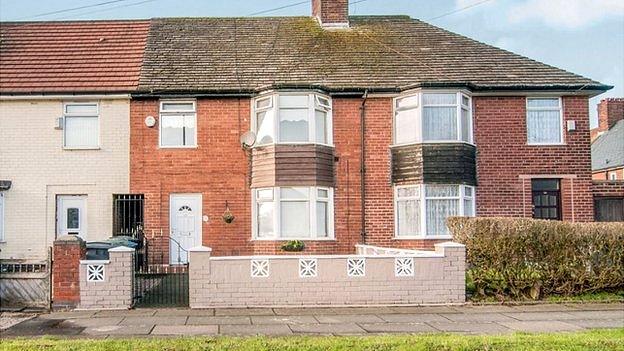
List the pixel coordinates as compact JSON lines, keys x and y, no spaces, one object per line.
{"x":199,"y":275}
{"x":68,"y":251}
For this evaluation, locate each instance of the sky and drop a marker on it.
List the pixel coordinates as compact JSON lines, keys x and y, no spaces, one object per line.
{"x":582,"y":36}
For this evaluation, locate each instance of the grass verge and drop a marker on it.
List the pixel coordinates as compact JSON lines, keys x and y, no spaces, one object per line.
{"x":595,"y":340}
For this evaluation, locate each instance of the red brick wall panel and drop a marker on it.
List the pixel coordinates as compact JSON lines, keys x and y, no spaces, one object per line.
{"x":66,"y":272}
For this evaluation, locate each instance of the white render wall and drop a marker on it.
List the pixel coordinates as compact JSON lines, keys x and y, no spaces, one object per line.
{"x":33,"y":158}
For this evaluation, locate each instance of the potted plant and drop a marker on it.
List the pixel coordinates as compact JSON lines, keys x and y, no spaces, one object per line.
{"x":227,"y":216}
{"x":293,"y":246}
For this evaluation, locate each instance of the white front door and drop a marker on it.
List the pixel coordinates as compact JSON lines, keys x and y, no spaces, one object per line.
{"x":71,"y":215}
{"x":185,"y":215}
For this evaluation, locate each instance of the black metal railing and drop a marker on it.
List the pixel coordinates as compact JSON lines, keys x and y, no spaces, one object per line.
{"x":128,"y":214}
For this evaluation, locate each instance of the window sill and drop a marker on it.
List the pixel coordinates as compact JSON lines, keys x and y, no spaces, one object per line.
{"x":430,"y":237}
{"x":81,"y":148}
{"x":290,"y":239}
{"x":433,"y":142}
{"x":547,"y":144}
{"x":177,"y":147}
{"x":294,"y":143}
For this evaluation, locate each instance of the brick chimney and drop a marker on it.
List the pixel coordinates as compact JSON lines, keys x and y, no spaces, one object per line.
{"x":610,"y":111}
{"x":331,"y":13}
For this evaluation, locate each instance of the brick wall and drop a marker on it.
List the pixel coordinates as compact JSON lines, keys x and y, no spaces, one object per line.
{"x":227,"y":282}
{"x":115,"y":290}
{"x":606,"y":188}
{"x":505,"y":162}
{"x":610,"y":111}
{"x":606,"y":175}
{"x":67,"y":253}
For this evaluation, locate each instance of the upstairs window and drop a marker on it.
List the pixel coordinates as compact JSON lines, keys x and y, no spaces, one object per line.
{"x":82,"y":126}
{"x":433,"y":117}
{"x":544,"y":121}
{"x":293,"y":213}
{"x":178,"y":124}
{"x":422,"y":210}
{"x":292,"y":118}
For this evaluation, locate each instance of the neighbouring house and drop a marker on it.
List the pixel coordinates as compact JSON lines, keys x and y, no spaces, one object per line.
{"x":368,"y":129}
{"x":608,"y":141}
{"x":608,"y":161}
{"x":64,"y":130}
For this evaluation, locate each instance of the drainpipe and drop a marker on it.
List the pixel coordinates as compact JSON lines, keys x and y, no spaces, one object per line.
{"x":363,"y":166}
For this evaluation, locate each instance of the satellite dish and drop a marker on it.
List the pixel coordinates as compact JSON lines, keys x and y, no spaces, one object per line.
{"x":248,"y":139}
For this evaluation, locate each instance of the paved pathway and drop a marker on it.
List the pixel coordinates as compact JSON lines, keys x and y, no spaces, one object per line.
{"x":328,"y":321}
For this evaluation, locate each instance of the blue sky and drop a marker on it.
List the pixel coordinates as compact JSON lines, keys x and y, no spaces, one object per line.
{"x":581,"y":36}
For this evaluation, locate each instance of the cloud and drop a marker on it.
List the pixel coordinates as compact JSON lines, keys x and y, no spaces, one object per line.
{"x":568,"y":14}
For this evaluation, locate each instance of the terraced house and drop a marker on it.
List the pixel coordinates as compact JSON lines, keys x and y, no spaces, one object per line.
{"x":243,"y":133}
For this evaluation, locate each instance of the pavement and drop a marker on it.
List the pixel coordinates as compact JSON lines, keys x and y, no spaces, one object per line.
{"x":466,"y":319}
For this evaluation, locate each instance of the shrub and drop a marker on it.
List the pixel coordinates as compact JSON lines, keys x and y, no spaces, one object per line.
{"x":527,"y":258}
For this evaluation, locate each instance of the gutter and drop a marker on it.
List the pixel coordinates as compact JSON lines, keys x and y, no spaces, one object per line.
{"x":363,"y":167}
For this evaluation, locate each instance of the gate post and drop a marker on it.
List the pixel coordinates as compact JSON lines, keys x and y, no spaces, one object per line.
{"x":199,"y":272}
{"x":108,"y":284}
{"x":67,"y":253}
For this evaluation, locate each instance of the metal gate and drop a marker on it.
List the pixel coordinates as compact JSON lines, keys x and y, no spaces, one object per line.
{"x":160,"y":284}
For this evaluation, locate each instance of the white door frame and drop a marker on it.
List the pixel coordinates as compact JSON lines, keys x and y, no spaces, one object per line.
{"x":196,"y":240}
{"x":61,"y":217}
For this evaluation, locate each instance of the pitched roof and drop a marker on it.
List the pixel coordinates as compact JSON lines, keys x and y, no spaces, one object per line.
{"x":608,"y":150}
{"x":377,"y":52}
{"x":82,"y":56}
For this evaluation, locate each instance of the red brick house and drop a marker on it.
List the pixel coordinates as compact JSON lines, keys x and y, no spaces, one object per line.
{"x":367,"y":129}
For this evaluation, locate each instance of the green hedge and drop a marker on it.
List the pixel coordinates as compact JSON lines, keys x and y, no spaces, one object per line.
{"x":526,"y":258}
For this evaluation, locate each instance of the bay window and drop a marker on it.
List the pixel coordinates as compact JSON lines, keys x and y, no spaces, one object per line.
{"x":292,"y":118}
{"x":544,"y":121}
{"x":293,"y":213}
{"x":81,"y":126}
{"x":421,"y":210}
{"x":433,"y":117}
{"x":178,"y":124}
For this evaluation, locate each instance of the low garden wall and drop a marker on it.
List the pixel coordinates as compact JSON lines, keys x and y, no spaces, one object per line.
{"x":107,"y":284}
{"x":374,"y":276}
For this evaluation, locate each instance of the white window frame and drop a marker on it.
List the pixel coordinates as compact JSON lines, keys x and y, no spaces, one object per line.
{"x":559,"y":109}
{"x":81,"y":115}
{"x":2,"y":217}
{"x":312,"y":199}
{"x":314,"y":104}
{"x":613,"y":175}
{"x":423,"y":208}
{"x":162,"y":113}
{"x":420,"y":106}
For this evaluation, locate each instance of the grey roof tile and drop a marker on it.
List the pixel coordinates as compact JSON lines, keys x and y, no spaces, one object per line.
{"x":608,"y":150}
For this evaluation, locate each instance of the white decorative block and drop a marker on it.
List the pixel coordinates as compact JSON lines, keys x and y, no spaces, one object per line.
{"x":259,"y":268}
{"x":307,"y":267}
{"x":356,"y":267}
{"x":404,"y":266}
{"x":95,"y":273}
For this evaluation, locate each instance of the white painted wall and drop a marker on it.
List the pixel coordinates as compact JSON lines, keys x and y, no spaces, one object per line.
{"x":33,"y":158}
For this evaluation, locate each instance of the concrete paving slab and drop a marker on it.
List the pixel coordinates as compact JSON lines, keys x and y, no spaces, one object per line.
{"x":467,"y":327}
{"x":544,"y":307}
{"x":120,"y":330}
{"x":185,"y":330}
{"x":125,"y":313}
{"x":484,"y":309}
{"x":41,"y":327}
{"x":423,"y":309}
{"x":541,"y":316}
{"x":477,"y":317}
{"x":598,"y":306}
{"x":282,"y":319}
{"x":349,"y":318}
{"x":541,"y":326}
{"x":413,"y":318}
{"x":361,"y":310}
{"x":184,"y":312}
{"x":598,"y":323}
{"x":68,"y":315}
{"x":93,"y":322}
{"x":259,"y":329}
{"x":244,"y":312}
{"x":300,"y":311}
{"x":218,"y":320}
{"x":397,"y":328}
{"x":334,"y":329}
{"x":607,"y":314}
{"x":173,"y":320}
